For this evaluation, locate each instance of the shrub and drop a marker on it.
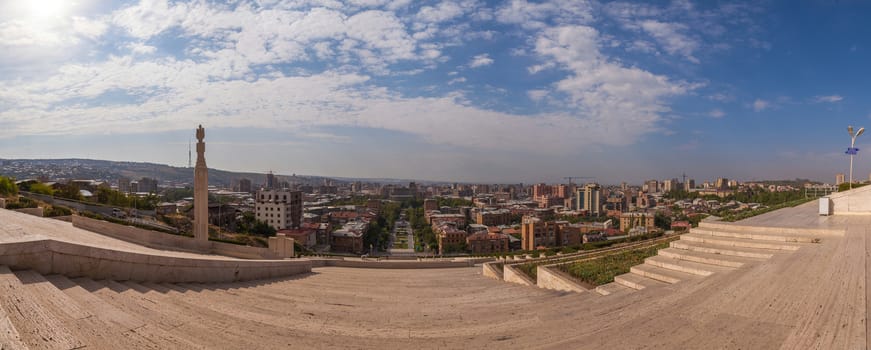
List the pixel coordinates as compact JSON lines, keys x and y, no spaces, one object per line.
{"x":22,"y":203}
{"x":56,"y":211}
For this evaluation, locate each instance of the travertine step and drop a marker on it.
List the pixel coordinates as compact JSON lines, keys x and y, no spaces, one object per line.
{"x":75,"y":317}
{"x":756,"y":235}
{"x":685,"y":266}
{"x":661,"y":274}
{"x":637,"y":282}
{"x":130,"y":326}
{"x":156,"y":318}
{"x":723,"y":250}
{"x":37,"y":326}
{"x":739,"y":242}
{"x":9,"y":337}
{"x":612,"y":288}
{"x":706,"y":258}
{"x":774,"y":230}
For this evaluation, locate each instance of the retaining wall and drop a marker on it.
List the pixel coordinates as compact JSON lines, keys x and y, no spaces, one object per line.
{"x":492,"y":271}
{"x":511,"y":274}
{"x":550,"y":277}
{"x":852,"y":202}
{"x":40,"y":212}
{"x":165,"y":241}
{"x":388,"y":264}
{"x":75,"y":260}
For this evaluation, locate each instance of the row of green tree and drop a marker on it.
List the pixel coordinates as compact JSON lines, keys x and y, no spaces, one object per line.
{"x":758,"y":195}
{"x":378,"y":233}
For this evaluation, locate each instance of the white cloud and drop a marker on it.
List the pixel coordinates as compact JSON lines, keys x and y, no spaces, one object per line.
{"x":716,"y":113}
{"x":623,"y":102}
{"x":150,"y":17}
{"x":457,"y":80}
{"x":534,"y":15}
{"x":721,"y":97}
{"x":537,"y":95}
{"x":761,"y":105}
{"x":444,"y":11}
{"x":239,"y":69}
{"x":672,"y":39}
{"x":828,"y":99}
{"x":481,"y":61}
{"x":140,"y":48}
{"x":91,"y":29}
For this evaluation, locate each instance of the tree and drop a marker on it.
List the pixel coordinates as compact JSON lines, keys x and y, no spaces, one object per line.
{"x":660,"y":220}
{"x":69,"y":191}
{"x":261,"y":228}
{"x":41,"y":188}
{"x":7,"y":186}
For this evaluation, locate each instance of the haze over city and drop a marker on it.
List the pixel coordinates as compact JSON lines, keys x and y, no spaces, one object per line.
{"x":489,"y":91}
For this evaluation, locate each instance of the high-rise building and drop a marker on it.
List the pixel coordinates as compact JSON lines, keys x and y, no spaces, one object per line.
{"x":689,"y":185}
{"x":123,"y":184}
{"x":722,"y":183}
{"x":840,"y":178}
{"x":670,"y":185}
{"x":270,"y":181}
{"x":147,"y":184}
{"x":589,"y":198}
{"x":539,"y":190}
{"x":562,"y":191}
{"x":244,"y":185}
{"x":651,"y":186}
{"x":281,"y":209}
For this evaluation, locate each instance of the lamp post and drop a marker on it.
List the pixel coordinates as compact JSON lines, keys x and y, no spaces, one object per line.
{"x":853,"y":150}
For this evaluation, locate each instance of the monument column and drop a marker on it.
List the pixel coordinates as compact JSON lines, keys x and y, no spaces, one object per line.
{"x":201,"y":190}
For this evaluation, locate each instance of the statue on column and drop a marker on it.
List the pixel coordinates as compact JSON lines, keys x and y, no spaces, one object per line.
{"x":201,"y":190}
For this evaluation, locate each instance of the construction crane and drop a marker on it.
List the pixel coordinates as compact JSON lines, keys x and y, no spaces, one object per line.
{"x":570,"y":178}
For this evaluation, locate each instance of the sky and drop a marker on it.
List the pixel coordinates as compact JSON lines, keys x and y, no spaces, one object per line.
{"x":451,"y":90}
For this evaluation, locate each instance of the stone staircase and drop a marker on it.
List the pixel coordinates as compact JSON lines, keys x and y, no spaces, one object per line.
{"x":712,"y":248}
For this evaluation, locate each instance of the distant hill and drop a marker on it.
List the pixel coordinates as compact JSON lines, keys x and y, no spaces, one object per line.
{"x":61,"y":169}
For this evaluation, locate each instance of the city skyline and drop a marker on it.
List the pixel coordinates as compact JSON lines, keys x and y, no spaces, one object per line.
{"x":467,"y":91}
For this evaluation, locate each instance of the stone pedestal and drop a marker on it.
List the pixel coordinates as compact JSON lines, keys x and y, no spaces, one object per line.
{"x":281,"y":245}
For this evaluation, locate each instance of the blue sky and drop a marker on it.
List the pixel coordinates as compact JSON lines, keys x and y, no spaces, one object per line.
{"x":455,"y":90}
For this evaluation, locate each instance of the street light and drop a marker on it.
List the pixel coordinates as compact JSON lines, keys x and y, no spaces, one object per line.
{"x":853,"y":150}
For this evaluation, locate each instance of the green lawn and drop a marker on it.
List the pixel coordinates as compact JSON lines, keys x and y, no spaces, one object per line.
{"x":602,"y":270}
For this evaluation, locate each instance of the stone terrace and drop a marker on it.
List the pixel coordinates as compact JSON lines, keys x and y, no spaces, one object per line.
{"x":812,"y":298}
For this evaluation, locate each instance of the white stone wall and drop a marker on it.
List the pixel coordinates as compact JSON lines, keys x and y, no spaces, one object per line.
{"x":510,"y":274}
{"x":551,"y":278}
{"x":75,"y":260}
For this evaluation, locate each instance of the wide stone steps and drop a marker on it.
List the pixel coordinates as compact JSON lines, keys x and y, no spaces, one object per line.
{"x":755,"y":235}
{"x":36,"y":325}
{"x":724,"y":250}
{"x":685,"y":266}
{"x":739,"y":242}
{"x":661,"y":274}
{"x":637,"y":282}
{"x":707,"y":258}
{"x":176,"y":324}
{"x":772,"y":230}
{"x":613,"y":289}
{"x":124,"y":324}
{"x":76,"y":318}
